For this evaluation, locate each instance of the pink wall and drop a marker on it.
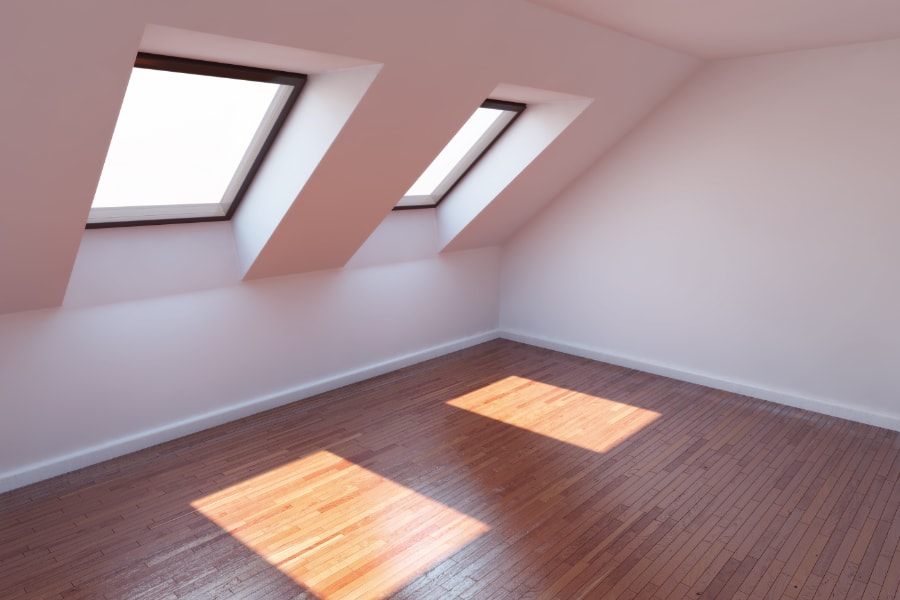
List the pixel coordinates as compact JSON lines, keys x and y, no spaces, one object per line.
{"x":133,"y":364}
{"x":390,"y":83}
{"x":744,"y":236}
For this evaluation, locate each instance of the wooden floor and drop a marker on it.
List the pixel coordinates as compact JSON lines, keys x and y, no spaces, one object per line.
{"x":503,"y":471}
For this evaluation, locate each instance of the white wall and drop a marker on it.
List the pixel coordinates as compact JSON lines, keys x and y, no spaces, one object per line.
{"x":142,"y":353}
{"x":158,"y":334}
{"x":745,"y":236}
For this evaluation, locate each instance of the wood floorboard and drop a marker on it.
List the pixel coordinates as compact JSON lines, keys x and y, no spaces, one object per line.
{"x":502,"y":472}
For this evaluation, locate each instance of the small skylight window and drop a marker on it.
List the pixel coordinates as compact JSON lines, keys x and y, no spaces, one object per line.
{"x":190,"y":137}
{"x":459,"y":155}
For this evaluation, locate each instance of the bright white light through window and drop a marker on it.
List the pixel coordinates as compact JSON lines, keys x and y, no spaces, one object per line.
{"x":466,"y":147}
{"x":193,"y":128}
{"x":185,"y":143}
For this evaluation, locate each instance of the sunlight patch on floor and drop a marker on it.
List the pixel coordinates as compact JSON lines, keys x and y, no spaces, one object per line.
{"x":590,"y":422}
{"x":338,"y":529}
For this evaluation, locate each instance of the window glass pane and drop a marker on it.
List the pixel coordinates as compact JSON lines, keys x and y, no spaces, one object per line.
{"x":476,"y":135}
{"x":180,"y":138}
{"x":467,"y":137}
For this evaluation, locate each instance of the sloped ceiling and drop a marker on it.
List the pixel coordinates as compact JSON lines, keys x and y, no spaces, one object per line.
{"x":717,"y":29}
{"x":65,"y":66}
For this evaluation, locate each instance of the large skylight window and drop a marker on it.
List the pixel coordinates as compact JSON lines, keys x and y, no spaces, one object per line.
{"x":190,"y":137}
{"x":459,"y":155}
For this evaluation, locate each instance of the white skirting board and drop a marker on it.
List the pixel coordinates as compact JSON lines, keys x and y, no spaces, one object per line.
{"x":88,"y":456}
{"x":118,"y":447}
{"x":739,"y":387}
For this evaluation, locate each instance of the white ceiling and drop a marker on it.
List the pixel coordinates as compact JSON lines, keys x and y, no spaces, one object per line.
{"x":391,"y":81}
{"x":728,"y":28}
{"x":425,"y":66}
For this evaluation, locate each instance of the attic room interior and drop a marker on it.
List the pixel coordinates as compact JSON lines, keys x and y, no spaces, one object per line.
{"x":644,"y":347}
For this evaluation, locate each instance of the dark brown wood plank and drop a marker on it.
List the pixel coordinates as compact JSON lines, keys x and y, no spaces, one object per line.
{"x":502,"y":471}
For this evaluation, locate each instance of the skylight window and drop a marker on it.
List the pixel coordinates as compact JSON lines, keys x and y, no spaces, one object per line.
{"x":461,"y":153}
{"x":190,"y":137}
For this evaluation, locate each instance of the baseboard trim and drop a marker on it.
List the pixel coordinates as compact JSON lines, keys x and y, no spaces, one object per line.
{"x":818,"y":405}
{"x":82,"y":458}
{"x":69,"y":462}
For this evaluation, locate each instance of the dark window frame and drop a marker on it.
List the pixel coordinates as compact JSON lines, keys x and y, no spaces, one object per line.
{"x":190,"y":66}
{"x":516,"y":107}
